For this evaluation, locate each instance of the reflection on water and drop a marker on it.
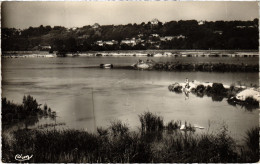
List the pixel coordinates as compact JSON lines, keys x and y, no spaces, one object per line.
{"x":89,"y":98}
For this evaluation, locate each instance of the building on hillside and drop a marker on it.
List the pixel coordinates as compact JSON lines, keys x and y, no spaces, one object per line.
{"x":180,"y":37}
{"x":139,"y":40}
{"x":201,"y":22}
{"x":251,"y":26}
{"x":129,"y":42}
{"x":140,"y":35}
{"x":169,"y":38}
{"x":112,"y":42}
{"x":240,"y":26}
{"x":73,"y":28}
{"x":155,"y":21}
{"x":99,"y":43}
{"x":44,"y":47}
{"x":95,"y":26}
{"x":155,"y":35}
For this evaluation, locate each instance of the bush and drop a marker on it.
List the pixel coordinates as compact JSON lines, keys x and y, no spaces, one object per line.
{"x":218,"y":88}
{"x":150,"y":122}
{"x":118,"y":128}
{"x":200,"y":88}
{"x":252,"y":143}
{"x":28,"y":112}
{"x":173,"y":125}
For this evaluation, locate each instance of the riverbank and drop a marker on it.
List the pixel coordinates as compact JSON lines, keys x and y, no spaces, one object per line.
{"x":137,"y":53}
{"x":154,"y":142}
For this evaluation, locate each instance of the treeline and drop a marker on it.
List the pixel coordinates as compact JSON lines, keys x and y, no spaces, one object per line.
{"x":205,"y":35}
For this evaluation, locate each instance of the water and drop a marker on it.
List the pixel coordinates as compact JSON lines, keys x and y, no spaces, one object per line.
{"x":88,"y":98}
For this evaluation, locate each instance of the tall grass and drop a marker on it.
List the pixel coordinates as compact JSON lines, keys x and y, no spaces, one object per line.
{"x":118,"y":144}
{"x":252,"y":144}
{"x":151,"y":122}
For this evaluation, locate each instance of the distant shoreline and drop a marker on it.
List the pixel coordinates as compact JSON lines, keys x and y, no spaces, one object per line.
{"x":139,"y":53}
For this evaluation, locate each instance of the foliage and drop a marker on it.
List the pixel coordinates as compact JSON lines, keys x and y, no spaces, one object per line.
{"x":81,"y":146}
{"x":150,"y":122}
{"x":28,"y":112}
{"x":197,"y":36}
{"x":252,"y":143}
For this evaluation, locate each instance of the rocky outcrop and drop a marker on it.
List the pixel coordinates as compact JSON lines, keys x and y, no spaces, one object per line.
{"x":235,"y":95}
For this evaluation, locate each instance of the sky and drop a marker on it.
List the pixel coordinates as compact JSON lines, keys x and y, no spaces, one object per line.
{"x":77,"y":14}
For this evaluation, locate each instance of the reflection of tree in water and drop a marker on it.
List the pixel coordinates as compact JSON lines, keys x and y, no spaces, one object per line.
{"x":30,"y":121}
{"x":249,"y":104}
{"x":27,"y":113}
{"x":200,"y":94}
{"x":217,"y":98}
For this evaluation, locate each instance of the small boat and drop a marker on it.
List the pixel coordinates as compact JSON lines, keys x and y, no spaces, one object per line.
{"x":106,"y":65}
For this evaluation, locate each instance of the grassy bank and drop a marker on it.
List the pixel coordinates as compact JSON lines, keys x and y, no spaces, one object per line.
{"x":154,"y":142}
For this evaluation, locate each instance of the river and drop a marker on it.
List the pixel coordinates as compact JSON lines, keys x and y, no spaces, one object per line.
{"x":88,"y":98}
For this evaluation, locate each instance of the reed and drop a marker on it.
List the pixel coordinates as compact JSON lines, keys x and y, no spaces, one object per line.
{"x":151,"y":122}
{"x":117,"y":144}
{"x":81,"y":146}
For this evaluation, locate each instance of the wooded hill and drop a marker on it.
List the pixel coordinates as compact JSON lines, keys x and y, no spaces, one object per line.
{"x":194,"y":35}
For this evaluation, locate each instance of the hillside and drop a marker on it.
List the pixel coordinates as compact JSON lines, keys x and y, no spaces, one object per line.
{"x":189,"y":34}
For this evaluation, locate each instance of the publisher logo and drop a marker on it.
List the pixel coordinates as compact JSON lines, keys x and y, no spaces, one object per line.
{"x":21,"y":158}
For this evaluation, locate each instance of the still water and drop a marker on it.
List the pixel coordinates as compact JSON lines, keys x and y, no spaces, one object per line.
{"x":88,"y":98}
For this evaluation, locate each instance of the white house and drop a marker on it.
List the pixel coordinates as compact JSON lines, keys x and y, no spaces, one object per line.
{"x":169,"y":38}
{"x":95,"y":26}
{"x":131,"y":42}
{"x":100,"y":43}
{"x":155,"y":35}
{"x":44,"y":47}
{"x":112,"y":42}
{"x":155,"y":21}
{"x":201,"y":22}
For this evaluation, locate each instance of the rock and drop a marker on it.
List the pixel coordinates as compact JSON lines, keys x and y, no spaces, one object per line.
{"x":251,"y":92}
{"x":176,"y":87}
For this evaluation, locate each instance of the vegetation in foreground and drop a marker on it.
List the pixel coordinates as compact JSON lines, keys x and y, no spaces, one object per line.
{"x":153,"y":142}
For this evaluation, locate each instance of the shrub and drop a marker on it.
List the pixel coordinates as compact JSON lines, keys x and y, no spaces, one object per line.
{"x":150,"y":122}
{"x":252,"y":143}
{"x":118,"y":128}
{"x":200,"y":88}
{"x":218,"y":88}
{"x":173,"y":125}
